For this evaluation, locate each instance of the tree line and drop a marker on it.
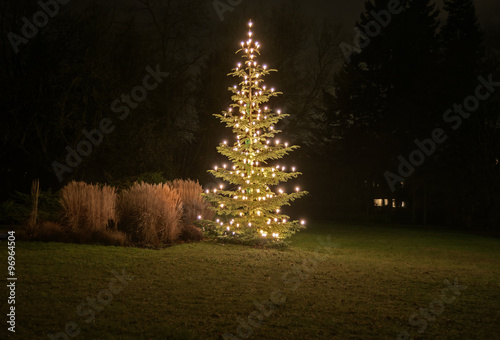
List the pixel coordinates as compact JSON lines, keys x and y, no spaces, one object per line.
{"x":353,"y":117}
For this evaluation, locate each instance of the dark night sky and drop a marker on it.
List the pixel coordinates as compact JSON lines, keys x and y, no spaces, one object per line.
{"x":348,"y":11}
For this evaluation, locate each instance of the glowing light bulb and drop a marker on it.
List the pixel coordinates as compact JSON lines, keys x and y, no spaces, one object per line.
{"x":297,"y":189}
{"x":302,"y":222}
{"x":215,"y":168}
{"x":199,"y":217}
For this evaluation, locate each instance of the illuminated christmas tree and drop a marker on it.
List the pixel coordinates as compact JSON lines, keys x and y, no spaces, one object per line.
{"x":249,"y":208}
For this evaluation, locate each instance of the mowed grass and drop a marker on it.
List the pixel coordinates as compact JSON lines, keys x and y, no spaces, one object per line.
{"x":339,"y":281}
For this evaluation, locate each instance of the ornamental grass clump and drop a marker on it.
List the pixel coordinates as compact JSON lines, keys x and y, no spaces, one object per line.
{"x":150,"y":213}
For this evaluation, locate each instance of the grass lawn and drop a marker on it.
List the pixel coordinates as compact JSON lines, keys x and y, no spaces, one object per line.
{"x":334,"y":282}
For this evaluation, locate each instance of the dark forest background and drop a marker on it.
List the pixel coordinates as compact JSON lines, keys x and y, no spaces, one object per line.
{"x":352,"y":119}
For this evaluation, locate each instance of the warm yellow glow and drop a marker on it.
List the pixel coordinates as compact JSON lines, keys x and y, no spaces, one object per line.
{"x":248,"y":120}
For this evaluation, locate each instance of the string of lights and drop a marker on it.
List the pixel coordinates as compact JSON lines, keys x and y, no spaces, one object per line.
{"x":251,"y":206}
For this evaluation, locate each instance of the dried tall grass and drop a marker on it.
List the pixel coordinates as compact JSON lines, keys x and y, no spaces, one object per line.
{"x":88,"y":206}
{"x":35,"y":194}
{"x":193,"y":203}
{"x":150,"y":213}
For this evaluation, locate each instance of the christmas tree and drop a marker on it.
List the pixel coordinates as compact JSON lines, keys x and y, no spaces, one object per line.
{"x":250,"y":208}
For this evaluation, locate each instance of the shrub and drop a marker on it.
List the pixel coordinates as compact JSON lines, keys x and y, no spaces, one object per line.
{"x":54,"y":232}
{"x":17,"y":209}
{"x":191,"y":233}
{"x":46,"y":231}
{"x":193,"y":203}
{"x":150,"y":213}
{"x":88,"y":207}
{"x":111,"y":237}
